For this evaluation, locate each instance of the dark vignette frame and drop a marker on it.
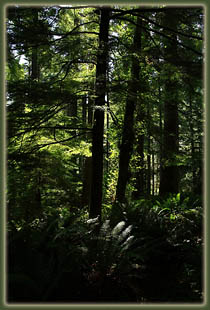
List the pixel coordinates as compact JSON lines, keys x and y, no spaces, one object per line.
{"x":3,"y":151}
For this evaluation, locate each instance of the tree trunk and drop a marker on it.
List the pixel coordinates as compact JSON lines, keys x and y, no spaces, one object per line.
{"x":126,"y":147}
{"x":84,"y":110}
{"x":192,"y":141}
{"x":86,"y":164}
{"x":98,"y":126}
{"x":161,"y":135}
{"x":34,"y":58}
{"x":153,"y":172}
{"x":72,"y":112}
{"x":149,"y":168}
{"x":107,"y":136}
{"x":90,"y":109}
{"x":169,"y":182}
{"x":72,"y":109}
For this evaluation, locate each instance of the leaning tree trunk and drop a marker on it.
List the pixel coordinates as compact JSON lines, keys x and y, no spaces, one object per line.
{"x":169,"y":182}
{"x":126,"y":147}
{"x":98,"y":126}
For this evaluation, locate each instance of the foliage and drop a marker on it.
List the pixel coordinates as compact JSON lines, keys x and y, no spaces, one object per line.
{"x":148,"y":248}
{"x":156,"y":252}
{"x":169,"y":234}
{"x":75,"y":250}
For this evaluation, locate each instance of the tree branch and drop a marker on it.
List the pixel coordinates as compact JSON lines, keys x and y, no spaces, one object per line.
{"x":57,"y":142}
{"x":164,"y":35}
{"x":169,"y":29}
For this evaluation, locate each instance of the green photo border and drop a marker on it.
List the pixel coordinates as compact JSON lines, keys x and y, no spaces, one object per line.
{"x":3,"y":304}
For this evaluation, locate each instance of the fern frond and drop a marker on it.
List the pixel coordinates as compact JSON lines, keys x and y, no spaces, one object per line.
{"x":125,"y":233}
{"x":105,"y":229}
{"x":118,"y":228}
{"x":127,"y":243}
{"x":93,"y":221}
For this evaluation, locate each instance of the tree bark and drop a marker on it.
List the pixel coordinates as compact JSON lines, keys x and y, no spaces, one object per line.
{"x":86,"y":161}
{"x":169,"y":182}
{"x":84,"y":110}
{"x":98,"y":126}
{"x":126,"y":147}
{"x":90,"y":109}
{"x":153,"y":172}
{"x":34,"y":58}
{"x":149,"y":167}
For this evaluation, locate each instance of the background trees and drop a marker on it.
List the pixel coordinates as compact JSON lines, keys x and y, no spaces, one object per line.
{"x":105,"y":119}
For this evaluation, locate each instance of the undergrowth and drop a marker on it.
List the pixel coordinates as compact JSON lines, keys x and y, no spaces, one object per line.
{"x":148,"y":251}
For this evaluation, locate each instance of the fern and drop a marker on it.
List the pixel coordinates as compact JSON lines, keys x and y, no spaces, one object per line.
{"x":118,"y":228}
{"x":110,"y":247}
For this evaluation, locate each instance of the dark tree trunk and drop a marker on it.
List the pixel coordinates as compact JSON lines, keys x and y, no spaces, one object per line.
{"x":98,"y":126}
{"x":169,"y":182}
{"x":84,"y":110}
{"x":34,"y":64}
{"x":149,"y":168}
{"x":72,"y":109}
{"x":140,"y":182}
{"x":86,"y":162}
{"x":72,"y":112}
{"x":90,"y":109}
{"x":34,"y":58}
{"x":107,"y":136}
{"x":161,"y":133}
{"x":153,"y":173}
{"x":149,"y":142}
{"x":126,"y":147}
{"x":192,"y":142}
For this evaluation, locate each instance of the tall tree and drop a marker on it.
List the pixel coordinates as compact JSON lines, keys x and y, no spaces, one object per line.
{"x":128,"y":125}
{"x":98,"y":126}
{"x":169,"y":181}
{"x":67,"y":61}
{"x":34,"y":58}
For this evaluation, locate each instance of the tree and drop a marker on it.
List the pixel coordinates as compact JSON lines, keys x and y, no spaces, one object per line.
{"x":169,"y":181}
{"x":126,"y":146}
{"x":98,"y":126}
{"x":99,"y":101}
{"x":68,"y":54}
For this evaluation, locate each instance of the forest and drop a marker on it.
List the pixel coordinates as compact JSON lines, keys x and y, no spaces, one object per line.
{"x":105,"y":129}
